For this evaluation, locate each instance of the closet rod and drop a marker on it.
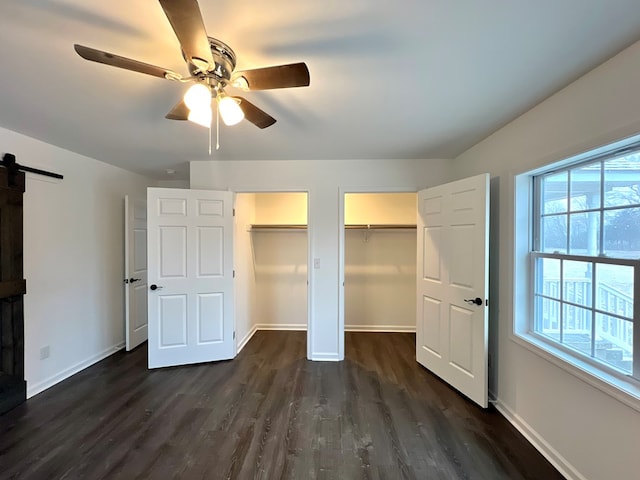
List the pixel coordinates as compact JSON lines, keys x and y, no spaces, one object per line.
{"x":349,"y":227}
{"x":380,"y":227}
{"x":278,"y":227}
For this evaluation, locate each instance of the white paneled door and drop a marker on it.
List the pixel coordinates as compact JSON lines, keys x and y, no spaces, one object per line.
{"x":190,"y":251}
{"x":135,"y":268}
{"x":452,"y":284}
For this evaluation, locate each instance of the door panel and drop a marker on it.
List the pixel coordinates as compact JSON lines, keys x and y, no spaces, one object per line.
{"x":461,"y":321}
{"x":135,"y":271}
{"x":432,"y":245}
{"x":210,"y":252}
{"x":210,"y":318}
{"x":173,"y":320}
{"x":191,"y":264}
{"x":173,"y":252}
{"x":431,"y":320}
{"x":138,"y":293}
{"x":451,"y":334}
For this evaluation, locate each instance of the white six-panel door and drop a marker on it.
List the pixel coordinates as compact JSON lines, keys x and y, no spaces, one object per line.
{"x":452,"y":284}
{"x":190,"y":251}
{"x":135,"y":267}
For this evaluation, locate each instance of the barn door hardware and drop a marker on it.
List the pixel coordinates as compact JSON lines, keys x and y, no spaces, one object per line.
{"x":9,"y":161}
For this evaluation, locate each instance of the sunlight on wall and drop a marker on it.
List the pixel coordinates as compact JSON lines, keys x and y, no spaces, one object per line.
{"x":287,"y":208}
{"x":380,"y":208}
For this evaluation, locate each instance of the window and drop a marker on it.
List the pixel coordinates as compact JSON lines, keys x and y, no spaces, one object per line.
{"x":585,"y":259}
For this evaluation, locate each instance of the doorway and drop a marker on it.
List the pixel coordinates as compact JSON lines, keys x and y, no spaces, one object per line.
{"x":379,"y":262}
{"x":271,"y":257}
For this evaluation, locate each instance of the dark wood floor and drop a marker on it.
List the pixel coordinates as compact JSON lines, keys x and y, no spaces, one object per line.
{"x":268,"y":414}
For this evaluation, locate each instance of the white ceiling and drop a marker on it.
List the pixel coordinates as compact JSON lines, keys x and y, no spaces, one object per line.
{"x":405,"y":79}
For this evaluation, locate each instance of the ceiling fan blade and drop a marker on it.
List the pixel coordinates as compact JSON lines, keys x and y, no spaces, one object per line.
{"x":259,"y":118}
{"x":186,"y":20}
{"x":281,"y":76}
{"x":122,"y":62}
{"x":179,"y":112}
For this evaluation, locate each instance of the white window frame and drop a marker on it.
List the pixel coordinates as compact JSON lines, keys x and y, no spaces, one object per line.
{"x":623,"y":387}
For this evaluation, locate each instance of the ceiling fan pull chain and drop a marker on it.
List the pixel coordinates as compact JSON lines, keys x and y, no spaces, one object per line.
{"x":217,"y":126}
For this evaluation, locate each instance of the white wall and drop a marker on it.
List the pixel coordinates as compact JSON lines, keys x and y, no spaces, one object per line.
{"x":271,"y":264}
{"x":281,"y":208}
{"x":380,"y":280}
{"x":588,"y":433}
{"x":73,"y":259}
{"x":325,"y":180}
{"x":245,"y":284}
{"x":280,"y":261}
{"x":281,"y":279}
{"x":380,"y":208}
{"x":380,"y":265}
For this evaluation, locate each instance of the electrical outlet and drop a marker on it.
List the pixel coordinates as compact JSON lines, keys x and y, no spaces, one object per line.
{"x":44,"y":352}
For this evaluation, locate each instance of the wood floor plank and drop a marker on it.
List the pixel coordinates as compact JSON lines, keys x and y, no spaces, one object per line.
{"x":268,"y":414}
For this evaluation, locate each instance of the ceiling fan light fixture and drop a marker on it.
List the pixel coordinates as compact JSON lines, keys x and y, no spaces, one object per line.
{"x":230,"y":110}
{"x":201,"y":116}
{"x":198,"y":97}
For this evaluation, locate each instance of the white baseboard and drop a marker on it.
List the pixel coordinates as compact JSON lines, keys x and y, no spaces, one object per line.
{"x":57,"y":378}
{"x":245,"y":340}
{"x":325,"y":357}
{"x":547,"y":451}
{"x":282,"y":326}
{"x":381,"y":328}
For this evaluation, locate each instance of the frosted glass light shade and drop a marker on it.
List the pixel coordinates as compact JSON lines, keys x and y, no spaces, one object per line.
{"x":198,"y":97}
{"x":201,"y":116}
{"x":230,"y":111}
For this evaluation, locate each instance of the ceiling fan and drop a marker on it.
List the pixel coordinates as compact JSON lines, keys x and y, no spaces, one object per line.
{"x":211,"y":66}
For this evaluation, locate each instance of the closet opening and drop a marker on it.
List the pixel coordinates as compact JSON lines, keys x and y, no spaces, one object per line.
{"x":271,"y":257}
{"x":379,"y":262}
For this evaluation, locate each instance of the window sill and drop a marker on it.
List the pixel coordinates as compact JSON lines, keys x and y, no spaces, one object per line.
{"x":623,"y":390}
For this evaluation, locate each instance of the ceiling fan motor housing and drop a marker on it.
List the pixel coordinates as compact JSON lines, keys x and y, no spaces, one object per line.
{"x":224,"y":58}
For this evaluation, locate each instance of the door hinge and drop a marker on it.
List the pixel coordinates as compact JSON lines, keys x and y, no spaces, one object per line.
{"x":234,"y":335}
{"x":486,"y":302}
{"x":234,"y":274}
{"x":234,"y":212}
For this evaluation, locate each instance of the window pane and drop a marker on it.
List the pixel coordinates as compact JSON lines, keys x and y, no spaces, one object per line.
{"x":548,"y":317}
{"x":585,"y":233}
{"x":548,"y":277}
{"x":555,"y":192}
{"x":576,"y":328}
{"x":614,"y":289}
{"x":614,"y":342}
{"x":554,"y":234}
{"x":577,"y":277}
{"x":622,"y":233}
{"x":622,"y":181}
{"x":585,"y":187}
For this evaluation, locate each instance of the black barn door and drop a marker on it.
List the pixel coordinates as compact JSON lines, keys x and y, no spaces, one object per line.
{"x":12,"y":289}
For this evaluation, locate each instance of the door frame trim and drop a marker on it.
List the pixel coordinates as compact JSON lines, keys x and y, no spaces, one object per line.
{"x":341,"y":248}
{"x":310,"y":272}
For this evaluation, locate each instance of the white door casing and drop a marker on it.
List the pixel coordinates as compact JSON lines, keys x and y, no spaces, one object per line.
{"x":452,"y":272}
{"x":190,"y":251}
{"x":135,"y":268}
